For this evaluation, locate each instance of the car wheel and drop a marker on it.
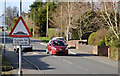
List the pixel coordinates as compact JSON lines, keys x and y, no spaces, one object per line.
{"x":30,"y":49}
{"x":14,"y":49}
{"x":47,"y":51}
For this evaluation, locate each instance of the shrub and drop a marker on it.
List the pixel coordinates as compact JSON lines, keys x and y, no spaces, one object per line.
{"x":15,"y":20}
{"x":91,"y":38}
{"x":114,"y":53}
{"x":102,"y":42}
{"x":98,"y":38}
{"x":111,"y":40}
{"x":100,"y":35}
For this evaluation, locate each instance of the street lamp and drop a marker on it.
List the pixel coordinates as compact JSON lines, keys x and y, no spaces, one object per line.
{"x":4,"y":25}
{"x":61,"y":19}
{"x":34,"y":22}
{"x":56,"y":2}
{"x":47,"y":22}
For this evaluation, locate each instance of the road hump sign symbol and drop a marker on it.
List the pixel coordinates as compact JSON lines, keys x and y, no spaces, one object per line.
{"x":20,"y":29}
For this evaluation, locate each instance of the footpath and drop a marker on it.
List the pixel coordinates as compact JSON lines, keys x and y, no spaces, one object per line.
{"x":27,"y":68}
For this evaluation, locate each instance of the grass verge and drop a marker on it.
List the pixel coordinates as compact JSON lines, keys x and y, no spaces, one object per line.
{"x":45,"y":39}
{"x":5,"y":66}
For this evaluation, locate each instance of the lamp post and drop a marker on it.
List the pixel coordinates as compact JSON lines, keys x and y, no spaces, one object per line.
{"x":4,"y":26}
{"x":47,"y":22}
{"x":56,"y":2}
{"x":34,"y":23}
{"x":61,"y":19}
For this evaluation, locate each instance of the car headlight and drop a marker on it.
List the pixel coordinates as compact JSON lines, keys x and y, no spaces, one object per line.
{"x":66,"y":48}
{"x":54,"y":48}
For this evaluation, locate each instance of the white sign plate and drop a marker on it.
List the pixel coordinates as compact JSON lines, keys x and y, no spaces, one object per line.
{"x":21,"y":41}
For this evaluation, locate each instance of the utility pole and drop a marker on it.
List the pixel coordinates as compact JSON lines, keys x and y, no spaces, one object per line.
{"x":34,"y":22}
{"x":69,"y":20}
{"x":20,"y":50}
{"x":4,"y":26}
{"x":47,"y":22}
{"x":61,"y":19}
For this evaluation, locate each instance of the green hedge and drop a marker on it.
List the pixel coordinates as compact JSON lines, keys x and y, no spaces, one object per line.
{"x":115,"y":53}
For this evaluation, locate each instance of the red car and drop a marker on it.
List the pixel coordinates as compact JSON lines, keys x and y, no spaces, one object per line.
{"x":57,"y":47}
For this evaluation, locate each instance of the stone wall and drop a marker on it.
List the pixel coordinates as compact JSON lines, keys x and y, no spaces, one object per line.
{"x":81,"y":45}
{"x":86,"y":48}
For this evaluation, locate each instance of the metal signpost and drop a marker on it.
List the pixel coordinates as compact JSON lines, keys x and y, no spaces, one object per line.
{"x":20,"y":34}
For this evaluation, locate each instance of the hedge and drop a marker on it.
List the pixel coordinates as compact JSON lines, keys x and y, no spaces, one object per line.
{"x":114,"y":53}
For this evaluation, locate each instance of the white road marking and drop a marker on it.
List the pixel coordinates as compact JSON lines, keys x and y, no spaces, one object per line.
{"x":82,"y":68}
{"x":68,"y":62}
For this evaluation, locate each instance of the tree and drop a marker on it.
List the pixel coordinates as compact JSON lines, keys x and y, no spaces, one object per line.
{"x":111,"y":17}
{"x":38,"y":13}
{"x":11,"y":13}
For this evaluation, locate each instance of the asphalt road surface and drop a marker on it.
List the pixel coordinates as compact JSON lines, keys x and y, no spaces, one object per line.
{"x":71,"y":64}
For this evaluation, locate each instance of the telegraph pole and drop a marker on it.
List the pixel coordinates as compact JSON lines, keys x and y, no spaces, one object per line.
{"x":47,"y":21}
{"x":4,"y":26}
{"x":61,"y":19}
{"x":34,"y":23}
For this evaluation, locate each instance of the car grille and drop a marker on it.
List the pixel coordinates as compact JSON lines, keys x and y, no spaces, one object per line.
{"x":61,"y":49}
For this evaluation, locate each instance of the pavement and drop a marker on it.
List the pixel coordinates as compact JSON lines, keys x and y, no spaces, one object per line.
{"x":27,"y":68}
{"x":101,"y":59}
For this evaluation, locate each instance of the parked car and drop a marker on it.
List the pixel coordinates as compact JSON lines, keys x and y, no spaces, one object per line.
{"x":57,"y":47}
{"x":59,"y":38}
{"x":24,"y":48}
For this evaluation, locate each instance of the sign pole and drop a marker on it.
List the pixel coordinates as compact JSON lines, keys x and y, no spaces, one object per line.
{"x":20,"y":50}
{"x":20,"y":62}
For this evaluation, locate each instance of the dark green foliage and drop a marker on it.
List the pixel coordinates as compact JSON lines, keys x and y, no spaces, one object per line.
{"x":38,"y":13}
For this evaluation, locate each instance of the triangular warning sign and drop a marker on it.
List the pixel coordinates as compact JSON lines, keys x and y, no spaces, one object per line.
{"x":20,"y":29}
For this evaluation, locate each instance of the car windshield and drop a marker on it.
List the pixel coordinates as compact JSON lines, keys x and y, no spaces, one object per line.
{"x":60,"y":38}
{"x":58,"y":43}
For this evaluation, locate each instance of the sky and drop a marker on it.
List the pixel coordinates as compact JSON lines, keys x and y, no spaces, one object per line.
{"x":15,"y":3}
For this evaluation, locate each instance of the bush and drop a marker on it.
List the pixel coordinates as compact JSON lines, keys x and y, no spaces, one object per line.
{"x":114,"y":53}
{"x":91,"y":39}
{"x":15,"y":20}
{"x":101,"y":43}
{"x":100,"y":34}
{"x":98,"y":38}
{"x":111,"y":40}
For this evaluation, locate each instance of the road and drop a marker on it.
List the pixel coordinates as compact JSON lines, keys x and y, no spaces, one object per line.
{"x":71,"y":64}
